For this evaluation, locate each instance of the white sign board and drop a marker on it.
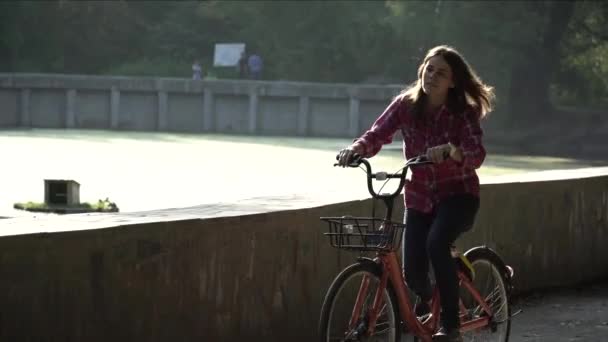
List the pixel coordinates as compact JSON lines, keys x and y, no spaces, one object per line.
{"x":228,"y":54}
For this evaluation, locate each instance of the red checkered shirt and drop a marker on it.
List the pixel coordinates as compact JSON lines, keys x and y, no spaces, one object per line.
{"x":431,"y":183}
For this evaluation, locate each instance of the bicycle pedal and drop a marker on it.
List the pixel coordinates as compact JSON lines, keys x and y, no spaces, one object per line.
{"x":424,"y":319}
{"x":510,"y":317}
{"x":516,"y":313}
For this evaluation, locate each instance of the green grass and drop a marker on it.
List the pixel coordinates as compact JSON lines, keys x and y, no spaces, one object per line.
{"x":99,"y":206}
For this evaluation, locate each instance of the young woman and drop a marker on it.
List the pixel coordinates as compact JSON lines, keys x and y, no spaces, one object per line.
{"x":439,"y":115}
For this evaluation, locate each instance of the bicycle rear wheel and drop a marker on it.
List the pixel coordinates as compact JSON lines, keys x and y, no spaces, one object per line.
{"x":490,"y":281}
{"x":339,"y":305}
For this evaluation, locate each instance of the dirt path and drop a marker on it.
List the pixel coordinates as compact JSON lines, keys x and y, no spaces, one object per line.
{"x":563,"y":315}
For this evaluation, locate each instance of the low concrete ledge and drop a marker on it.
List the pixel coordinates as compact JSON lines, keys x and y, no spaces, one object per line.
{"x":254,"y":272}
{"x":184,"y":85}
{"x":184,"y":105}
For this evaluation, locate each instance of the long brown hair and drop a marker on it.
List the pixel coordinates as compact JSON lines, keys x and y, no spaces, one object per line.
{"x":468,"y":89}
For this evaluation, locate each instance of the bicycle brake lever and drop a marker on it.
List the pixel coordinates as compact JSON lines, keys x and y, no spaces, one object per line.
{"x":423,"y":159}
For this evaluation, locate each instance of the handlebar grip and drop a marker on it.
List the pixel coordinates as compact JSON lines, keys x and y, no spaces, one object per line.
{"x":354,"y":161}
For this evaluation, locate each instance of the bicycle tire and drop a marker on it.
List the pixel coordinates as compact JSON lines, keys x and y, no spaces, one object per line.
{"x":390,"y":330}
{"x":486,"y":263}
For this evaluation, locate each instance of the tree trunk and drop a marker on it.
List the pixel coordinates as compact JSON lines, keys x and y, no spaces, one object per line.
{"x":529,"y":90}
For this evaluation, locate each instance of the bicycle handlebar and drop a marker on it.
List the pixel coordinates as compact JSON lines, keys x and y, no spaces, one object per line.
{"x":358,"y":160}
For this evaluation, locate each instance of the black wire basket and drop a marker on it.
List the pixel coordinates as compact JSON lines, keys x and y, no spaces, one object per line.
{"x":364,"y":233}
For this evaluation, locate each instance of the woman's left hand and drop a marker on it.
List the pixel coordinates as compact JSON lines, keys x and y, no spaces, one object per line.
{"x":440,"y":153}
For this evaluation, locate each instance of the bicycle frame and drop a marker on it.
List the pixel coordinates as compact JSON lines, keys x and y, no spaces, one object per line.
{"x":424,"y":330}
{"x":391,"y":273}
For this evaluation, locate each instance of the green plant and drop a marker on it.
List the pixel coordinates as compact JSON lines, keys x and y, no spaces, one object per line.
{"x":100,"y":206}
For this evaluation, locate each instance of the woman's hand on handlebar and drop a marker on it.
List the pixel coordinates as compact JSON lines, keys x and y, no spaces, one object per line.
{"x":441,"y":153}
{"x":346,"y":155}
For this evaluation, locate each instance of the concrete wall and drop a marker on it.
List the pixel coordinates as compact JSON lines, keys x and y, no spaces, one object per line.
{"x":182,"y":105}
{"x":10,"y":112}
{"x":257,"y":276}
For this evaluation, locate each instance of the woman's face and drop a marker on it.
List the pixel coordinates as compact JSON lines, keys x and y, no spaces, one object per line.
{"x":436,"y":76}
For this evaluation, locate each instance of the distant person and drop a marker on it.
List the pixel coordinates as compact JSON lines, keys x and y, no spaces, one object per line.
{"x":243,"y":67}
{"x":255,"y":65}
{"x":197,"y":70}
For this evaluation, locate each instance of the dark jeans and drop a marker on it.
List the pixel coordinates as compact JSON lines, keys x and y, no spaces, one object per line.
{"x":429,"y":236}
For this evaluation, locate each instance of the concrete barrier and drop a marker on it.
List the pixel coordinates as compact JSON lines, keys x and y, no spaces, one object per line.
{"x":183,"y":105}
{"x":255,"y":270}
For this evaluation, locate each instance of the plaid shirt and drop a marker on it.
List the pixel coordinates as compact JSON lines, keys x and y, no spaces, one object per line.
{"x":431,"y":183}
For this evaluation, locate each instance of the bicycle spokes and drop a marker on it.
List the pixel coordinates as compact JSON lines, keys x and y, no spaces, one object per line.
{"x":484,"y":304}
{"x":362,"y":311}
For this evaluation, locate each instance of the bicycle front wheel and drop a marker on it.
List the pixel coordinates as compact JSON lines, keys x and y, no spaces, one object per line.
{"x":346,"y":309}
{"x":489,"y":280}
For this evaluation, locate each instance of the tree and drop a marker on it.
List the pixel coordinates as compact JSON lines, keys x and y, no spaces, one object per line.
{"x":534,"y":52}
{"x":530,"y":80}
{"x":583,"y":74}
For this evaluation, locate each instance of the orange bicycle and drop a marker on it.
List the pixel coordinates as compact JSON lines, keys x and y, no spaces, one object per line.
{"x":370,"y":300}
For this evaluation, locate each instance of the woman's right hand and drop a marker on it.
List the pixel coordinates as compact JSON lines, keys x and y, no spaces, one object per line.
{"x":345,"y":156}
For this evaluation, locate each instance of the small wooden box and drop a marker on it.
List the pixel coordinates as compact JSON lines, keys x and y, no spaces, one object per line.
{"x":61,"y":192}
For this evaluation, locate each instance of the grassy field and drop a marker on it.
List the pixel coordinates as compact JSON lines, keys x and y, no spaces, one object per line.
{"x":144,"y":171}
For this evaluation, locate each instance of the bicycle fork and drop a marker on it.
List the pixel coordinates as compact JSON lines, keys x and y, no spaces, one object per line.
{"x":367,"y":327}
